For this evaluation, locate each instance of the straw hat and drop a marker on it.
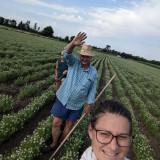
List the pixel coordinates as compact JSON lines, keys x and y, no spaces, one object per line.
{"x":86,"y":50}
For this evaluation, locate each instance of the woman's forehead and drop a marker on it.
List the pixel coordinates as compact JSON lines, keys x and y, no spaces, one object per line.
{"x":113,"y":123}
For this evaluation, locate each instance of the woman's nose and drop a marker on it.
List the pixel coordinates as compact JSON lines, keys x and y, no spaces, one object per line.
{"x":113,"y":144}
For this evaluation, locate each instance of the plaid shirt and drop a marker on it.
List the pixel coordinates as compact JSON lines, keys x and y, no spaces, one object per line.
{"x":80,"y":85}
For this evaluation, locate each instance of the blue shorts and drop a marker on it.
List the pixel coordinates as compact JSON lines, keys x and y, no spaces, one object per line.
{"x":60,"y":111}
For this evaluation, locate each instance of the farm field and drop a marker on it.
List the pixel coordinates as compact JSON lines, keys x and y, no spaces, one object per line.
{"x":27,"y":93}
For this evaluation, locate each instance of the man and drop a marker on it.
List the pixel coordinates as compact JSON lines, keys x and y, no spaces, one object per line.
{"x":60,"y":71}
{"x":78,"y":89}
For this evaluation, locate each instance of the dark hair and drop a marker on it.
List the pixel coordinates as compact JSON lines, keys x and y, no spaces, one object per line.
{"x":110,"y":106}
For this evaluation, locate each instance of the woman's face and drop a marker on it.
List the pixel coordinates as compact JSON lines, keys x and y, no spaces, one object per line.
{"x":115,"y":124}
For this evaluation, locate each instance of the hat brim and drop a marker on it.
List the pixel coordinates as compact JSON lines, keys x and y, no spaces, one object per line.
{"x":85,"y":53}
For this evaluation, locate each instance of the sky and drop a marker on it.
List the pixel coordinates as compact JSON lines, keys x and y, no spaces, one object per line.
{"x":130,"y":26}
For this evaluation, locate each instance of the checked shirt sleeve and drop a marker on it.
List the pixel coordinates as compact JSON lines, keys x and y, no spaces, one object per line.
{"x":92,"y":92}
{"x":69,"y":57}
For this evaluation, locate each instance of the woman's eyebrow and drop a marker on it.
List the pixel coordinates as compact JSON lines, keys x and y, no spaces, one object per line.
{"x":122,"y":133}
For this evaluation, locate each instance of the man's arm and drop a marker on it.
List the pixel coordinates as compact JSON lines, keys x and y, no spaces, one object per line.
{"x":78,"y":40}
{"x":56,"y":71}
{"x":87,"y":108}
{"x":91,"y":96}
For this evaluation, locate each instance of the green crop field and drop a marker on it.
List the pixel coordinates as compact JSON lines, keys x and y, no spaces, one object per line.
{"x":27,"y":94}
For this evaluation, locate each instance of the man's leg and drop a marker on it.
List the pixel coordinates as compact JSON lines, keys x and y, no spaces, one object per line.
{"x":56,"y":131}
{"x":72,"y":118}
{"x":59,"y":112}
{"x":69,"y":125}
{"x":55,"y":135}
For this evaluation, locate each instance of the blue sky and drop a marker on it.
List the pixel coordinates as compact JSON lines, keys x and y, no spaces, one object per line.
{"x":131,"y":26}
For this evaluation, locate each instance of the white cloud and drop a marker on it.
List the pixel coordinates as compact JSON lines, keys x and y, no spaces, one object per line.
{"x":54,"y":6}
{"x":63,"y":17}
{"x":138,"y":21}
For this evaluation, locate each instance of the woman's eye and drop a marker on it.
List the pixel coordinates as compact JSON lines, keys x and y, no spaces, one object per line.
{"x":123,"y":137}
{"x":105,"y":134}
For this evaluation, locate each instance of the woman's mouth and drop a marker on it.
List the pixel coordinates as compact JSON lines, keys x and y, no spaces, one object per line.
{"x":110,"y":154}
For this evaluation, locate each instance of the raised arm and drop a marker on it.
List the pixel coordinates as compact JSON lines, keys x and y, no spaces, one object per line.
{"x":77,"y":41}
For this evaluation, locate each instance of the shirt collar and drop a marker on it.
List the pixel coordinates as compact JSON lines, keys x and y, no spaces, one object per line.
{"x":87,"y":70}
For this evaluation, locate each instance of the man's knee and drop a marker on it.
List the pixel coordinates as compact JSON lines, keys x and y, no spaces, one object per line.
{"x":56,"y":122}
{"x":69,"y":124}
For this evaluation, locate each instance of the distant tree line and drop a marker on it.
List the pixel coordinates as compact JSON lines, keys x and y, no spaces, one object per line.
{"x":25,"y":26}
{"x":48,"y":32}
{"x":124,"y":55}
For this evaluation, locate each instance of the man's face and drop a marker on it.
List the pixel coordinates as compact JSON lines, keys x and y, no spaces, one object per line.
{"x":85,"y":60}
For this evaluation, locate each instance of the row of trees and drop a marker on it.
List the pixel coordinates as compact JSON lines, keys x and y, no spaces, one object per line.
{"x":48,"y":32}
{"x":128,"y":56}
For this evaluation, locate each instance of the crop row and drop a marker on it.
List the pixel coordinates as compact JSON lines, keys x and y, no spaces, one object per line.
{"x":140,"y":87}
{"x":30,"y":147}
{"x":35,"y":89}
{"x":5,"y":103}
{"x":145,"y":77}
{"x":13,"y":122}
{"x":33,"y":77}
{"x":15,"y":73}
{"x":153,"y":109}
{"x":141,"y":147}
{"x":146,"y":117}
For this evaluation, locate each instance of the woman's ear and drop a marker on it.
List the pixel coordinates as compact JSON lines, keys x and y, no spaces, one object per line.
{"x":90,"y":130}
